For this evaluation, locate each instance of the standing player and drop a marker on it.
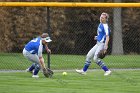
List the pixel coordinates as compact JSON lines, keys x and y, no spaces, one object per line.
{"x":33,"y":52}
{"x":102,"y":38}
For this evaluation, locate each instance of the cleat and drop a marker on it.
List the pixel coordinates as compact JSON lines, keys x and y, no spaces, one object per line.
{"x":107,"y":73}
{"x":35,"y":76}
{"x":27,"y":70}
{"x":81,"y":72}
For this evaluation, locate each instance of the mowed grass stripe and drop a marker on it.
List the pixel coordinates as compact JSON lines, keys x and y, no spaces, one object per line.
{"x":93,"y":82}
{"x":16,"y":61}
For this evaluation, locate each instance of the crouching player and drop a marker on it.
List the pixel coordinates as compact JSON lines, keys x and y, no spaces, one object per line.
{"x":33,"y":52}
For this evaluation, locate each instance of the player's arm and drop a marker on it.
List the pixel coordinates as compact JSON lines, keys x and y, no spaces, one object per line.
{"x":106,"y":42}
{"x":41,"y":59}
{"x":47,"y":49}
{"x":95,"y":37}
{"x":107,"y":37}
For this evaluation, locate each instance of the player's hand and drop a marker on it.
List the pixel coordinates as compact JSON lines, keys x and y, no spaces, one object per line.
{"x":48,"y":51}
{"x":101,"y":54}
{"x":105,"y":49}
{"x":47,"y":72}
{"x":95,"y":38}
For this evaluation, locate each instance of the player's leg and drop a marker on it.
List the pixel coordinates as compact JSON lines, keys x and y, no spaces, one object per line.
{"x":31,"y":68}
{"x":99,"y":62}
{"x":36,"y":70}
{"x":33,"y":58}
{"x":89,"y":56}
{"x":26,"y":55}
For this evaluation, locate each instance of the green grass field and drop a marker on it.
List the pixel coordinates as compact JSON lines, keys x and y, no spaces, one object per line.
{"x":121,"y":81}
{"x":94,"y":82}
{"x":18,"y":62}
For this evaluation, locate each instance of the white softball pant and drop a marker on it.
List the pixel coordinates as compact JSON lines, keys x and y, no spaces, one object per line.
{"x":94,"y":52}
{"x":31,"y":57}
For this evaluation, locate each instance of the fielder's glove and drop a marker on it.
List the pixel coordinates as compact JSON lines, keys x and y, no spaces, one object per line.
{"x":47,"y":72}
{"x":101,"y":54}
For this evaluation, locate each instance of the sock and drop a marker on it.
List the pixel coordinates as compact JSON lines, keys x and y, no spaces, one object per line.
{"x":32,"y":67}
{"x":105,"y":68}
{"x":87,"y":64}
{"x":102,"y":65}
{"x":37,"y":68}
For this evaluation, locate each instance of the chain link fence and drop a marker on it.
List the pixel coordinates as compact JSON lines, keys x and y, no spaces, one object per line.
{"x":72,"y":31}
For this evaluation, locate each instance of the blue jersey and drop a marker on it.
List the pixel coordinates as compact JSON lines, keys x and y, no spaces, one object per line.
{"x":35,"y":46}
{"x":102,"y":31}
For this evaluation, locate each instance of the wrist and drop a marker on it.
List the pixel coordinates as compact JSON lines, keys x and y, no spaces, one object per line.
{"x":47,"y":48}
{"x":42,"y":62}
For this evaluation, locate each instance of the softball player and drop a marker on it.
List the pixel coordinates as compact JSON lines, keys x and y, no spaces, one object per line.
{"x":102,"y":38}
{"x":33,"y":52}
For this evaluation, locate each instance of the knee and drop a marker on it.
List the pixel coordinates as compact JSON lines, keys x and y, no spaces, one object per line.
{"x":88,"y":58}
